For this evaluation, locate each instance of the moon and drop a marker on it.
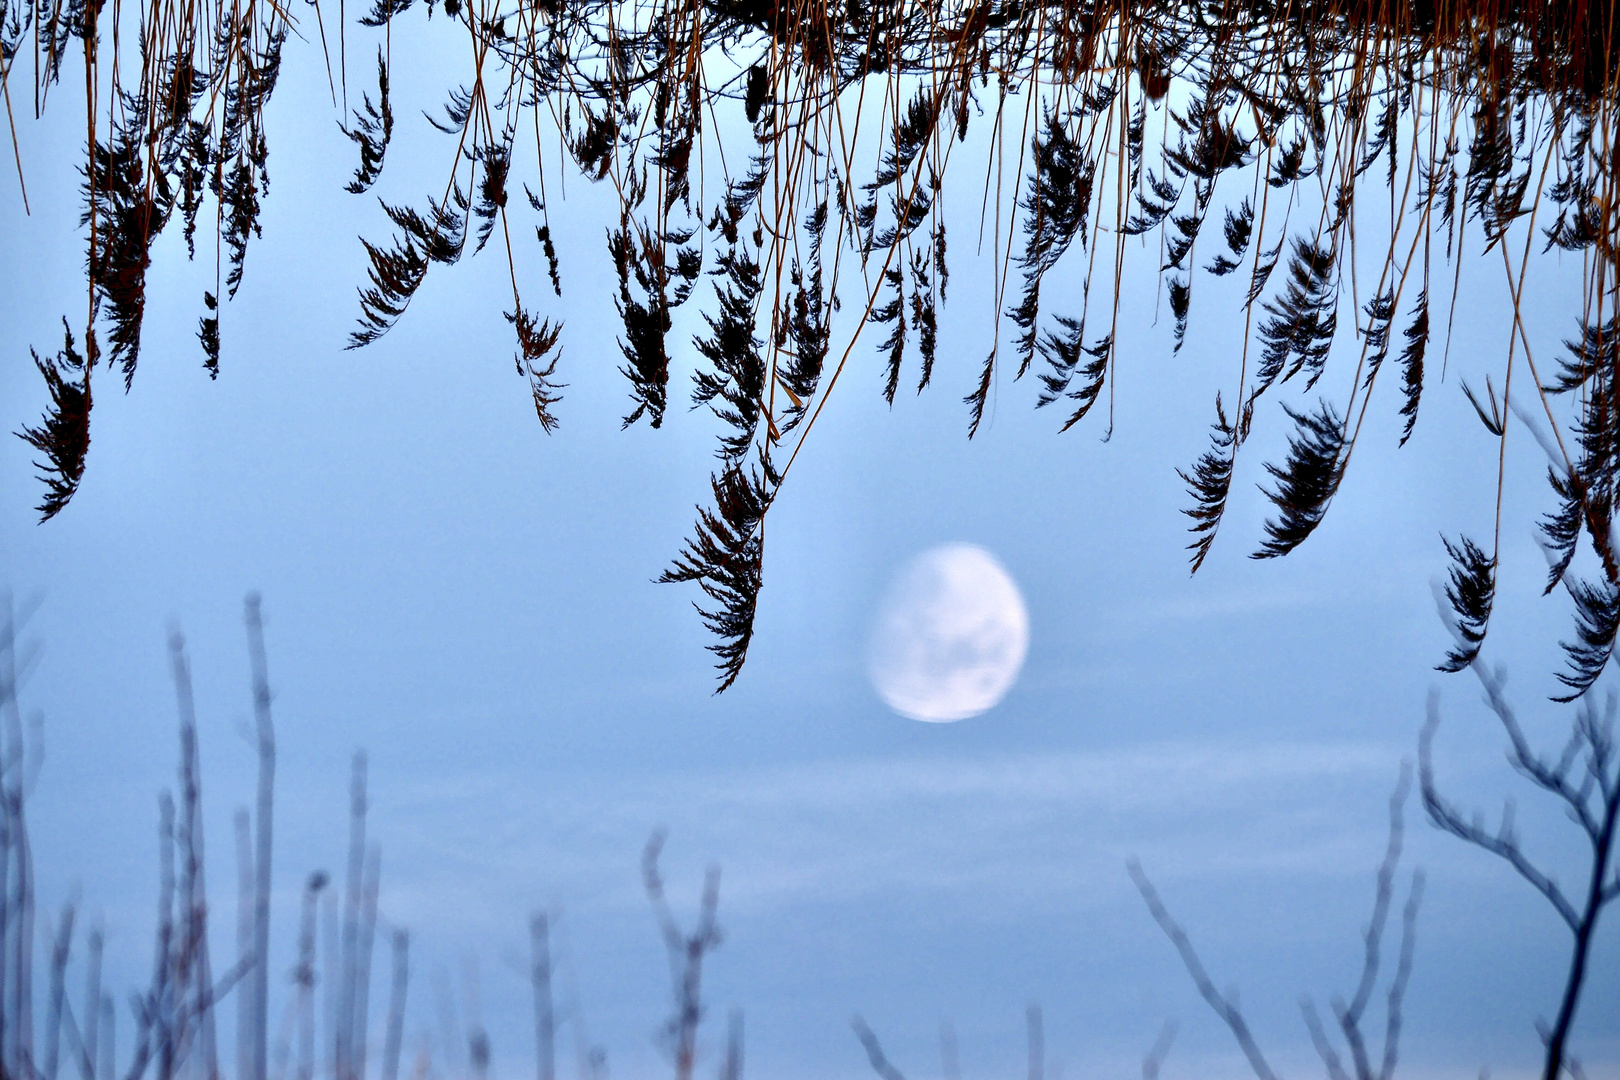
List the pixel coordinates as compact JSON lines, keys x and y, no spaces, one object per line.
{"x":950,"y":636}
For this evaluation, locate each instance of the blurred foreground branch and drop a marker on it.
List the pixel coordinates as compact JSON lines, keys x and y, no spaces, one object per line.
{"x":1585,"y":778}
{"x":1364,"y":1065}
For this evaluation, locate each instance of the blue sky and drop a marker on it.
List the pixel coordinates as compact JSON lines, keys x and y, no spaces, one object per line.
{"x":471,"y":601}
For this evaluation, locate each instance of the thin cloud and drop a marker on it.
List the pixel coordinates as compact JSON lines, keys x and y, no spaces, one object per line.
{"x":1044,"y":828}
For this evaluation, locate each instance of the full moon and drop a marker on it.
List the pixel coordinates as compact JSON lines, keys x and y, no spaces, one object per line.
{"x":950,"y":637}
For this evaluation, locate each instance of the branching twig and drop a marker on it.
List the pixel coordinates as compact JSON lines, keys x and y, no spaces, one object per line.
{"x":1349,"y":1015}
{"x":1593,"y":803}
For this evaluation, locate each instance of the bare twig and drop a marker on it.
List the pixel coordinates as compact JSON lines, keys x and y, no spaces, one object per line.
{"x":874,"y":1051}
{"x":58,"y":990}
{"x":732,"y":1067}
{"x":396,"y":1005}
{"x":265,"y":807}
{"x":1037,"y":1042}
{"x":1593,"y":803}
{"x":686,"y":954}
{"x":1349,"y":1015}
{"x":1159,"y":1050}
{"x":545,"y":1024}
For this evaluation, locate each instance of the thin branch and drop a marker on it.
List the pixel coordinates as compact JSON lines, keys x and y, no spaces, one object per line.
{"x":874,"y":1051}
{"x":1224,"y":1007}
{"x":1504,"y":844}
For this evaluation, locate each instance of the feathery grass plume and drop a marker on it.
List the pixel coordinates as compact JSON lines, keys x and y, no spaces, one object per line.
{"x":542,"y":233}
{"x":1307,"y":482}
{"x":1062,"y":351}
{"x":593,"y":149}
{"x":1417,"y":342}
{"x":1180,"y":304}
{"x":496,"y":162}
{"x":1239,"y":226}
{"x":734,"y":387}
{"x":1586,"y":494}
{"x":1216,"y":145}
{"x":759,"y":88}
{"x":1597,"y":349}
{"x":373,"y":128}
{"x":1561,"y":529}
{"x":1380,"y":312}
{"x":1210,"y":484}
{"x":1490,"y":165}
{"x":676,"y":140}
{"x":1179,"y":244}
{"x":1597,"y":619}
{"x":382,"y":11}
{"x":456,"y":111}
{"x":742,"y":194}
{"x":664,"y":268}
{"x":1471,"y":593}
{"x":893,"y":313}
{"x":1591,"y":369}
{"x":397,"y":272}
{"x":806,"y":330}
{"x":1056,"y":206}
{"x":1265,"y":262}
{"x":907,"y":137}
{"x":899,"y":175}
{"x":208,"y":335}
{"x":63,"y":436}
{"x":536,"y":341}
{"x":1382,"y":141}
{"x":645,"y":322}
{"x":1152,"y":210}
{"x":977,"y":398}
{"x":243,"y":143}
{"x":724,"y":557}
{"x":129,"y":205}
{"x":924,"y":316}
{"x":1302,"y":321}
{"x":196,"y":154}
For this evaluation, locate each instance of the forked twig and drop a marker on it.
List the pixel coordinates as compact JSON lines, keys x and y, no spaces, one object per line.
{"x":1592,"y":802}
{"x":1349,"y":1015}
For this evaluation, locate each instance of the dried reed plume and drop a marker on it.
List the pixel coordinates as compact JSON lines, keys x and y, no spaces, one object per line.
{"x":818,"y":185}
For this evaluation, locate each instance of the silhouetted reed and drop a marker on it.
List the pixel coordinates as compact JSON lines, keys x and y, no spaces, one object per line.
{"x":1468,"y":124}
